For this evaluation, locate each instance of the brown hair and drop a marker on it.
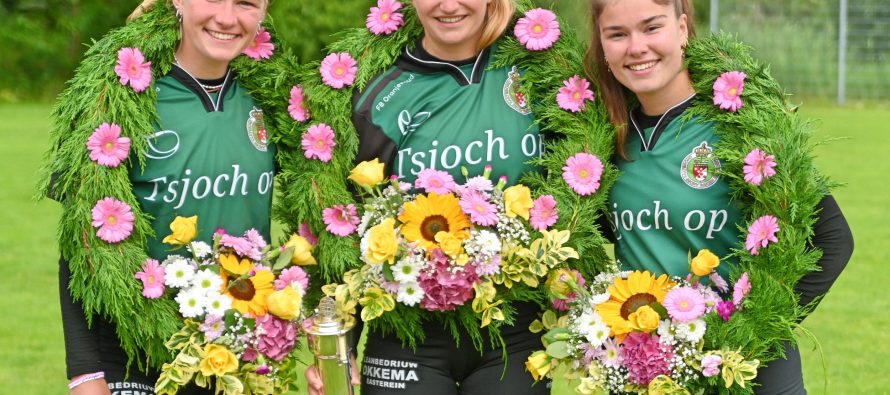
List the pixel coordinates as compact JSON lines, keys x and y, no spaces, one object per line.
{"x":614,"y":95}
{"x":500,"y":12}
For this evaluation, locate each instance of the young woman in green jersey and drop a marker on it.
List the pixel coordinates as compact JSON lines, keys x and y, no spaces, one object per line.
{"x":657,"y":215}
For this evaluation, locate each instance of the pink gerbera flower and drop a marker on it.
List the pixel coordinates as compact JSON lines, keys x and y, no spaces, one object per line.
{"x":306,"y":232}
{"x":571,"y":97}
{"x":762,"y":232}
{"x":684,"y":304}
{"x":341,"y":220}
{"x":481,"y":211}
{"x":741,"y":289}
{"x":759,"y":166}
{"x":437,"y":181}
{"x":728,"y":90}
{"x":296,"y":107}
{"x":114,"y":219}
{"x":133,"y":69}
{"x":318,"y":142}
{"x":543,"y":212}
{"x":106,"y":145}
{"x":384,"y":19}
{"x":538,"y":29}
{"x":338,"y":70}
{"x":291,"y":275}
{"x":582,"y":172}
{"x":261,"y":47}
{"x":152,"y":276}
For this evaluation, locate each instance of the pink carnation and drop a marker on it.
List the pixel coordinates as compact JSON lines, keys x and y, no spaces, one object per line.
{"x":538,"y":29}
{"x":133,"y":69}
{"x":645,"y":358}
{"x":114,"y":219}
{"x":725,"y":308}
{"x":318,"y":142}
{"x":261,"y":47}
{"x":338,"y":70}
{"x":710,"y":365}
{"x":277,"y":336}
{"x":572,"y":95}
{"x":740,"y":290}
{"x":684,"y":304}
{"x":762,"y":232}
{"x":446,"y":289}
{"x":384,"y":19}
{"x":152,"y":276}
{"x":435,"y":181}
{"x":582,"y":172}
{"x":254,"y":237}
{"x":291,"y":275}
{"x":728,"y":90}
{"x":242,"y":246}
{"x":297,"y":107}
{"x":759,"y":166}
{"x":341,"y":220}
{"x":481,"y":211}
{"x":543,"y":212}
{"x":106,"y":145}
{"x":718,"y":281}
{"x":306,"y":232}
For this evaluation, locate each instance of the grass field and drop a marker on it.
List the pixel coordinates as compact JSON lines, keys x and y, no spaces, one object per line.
{"x":851,"y":324}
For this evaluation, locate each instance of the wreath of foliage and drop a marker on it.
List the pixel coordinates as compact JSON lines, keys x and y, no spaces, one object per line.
{"x":102,"y":274}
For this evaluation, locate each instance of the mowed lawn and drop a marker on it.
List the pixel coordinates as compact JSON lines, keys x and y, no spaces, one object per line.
{"x":851,"y":324}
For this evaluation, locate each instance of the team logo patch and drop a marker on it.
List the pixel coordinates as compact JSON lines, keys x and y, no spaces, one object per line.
{"x":513,"y":96}
{"x":256,"y":130}
{"x":701,"y":167}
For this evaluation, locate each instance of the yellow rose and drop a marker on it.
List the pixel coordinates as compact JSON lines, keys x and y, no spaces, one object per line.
{"x":450,"y":245}
{"x":556,"y":281}
{"x":286,"y":303}
{"x":218,"y":361}
{"x":184,"y":230}
{"x":538,"y":364}
{"x":302,"y":251}
{"x":644,"y":319}
{"x":367,"y":173}
{"x":517,"y":201}
{"x":382,"y":242}
{"x":704,"y":263}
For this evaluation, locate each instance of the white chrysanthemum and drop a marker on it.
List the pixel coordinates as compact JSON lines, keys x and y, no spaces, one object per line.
{"x":199,"y":249}
{"x":691,"y":331}
{"x":207,"y":281}
{"x":178,"y":272}
{"x":191,"y":302}
{"x":665,"y":332}
{"x":410,"y":294}
{"x":218,"y":304}
{"x":594,"y":329}
{"x":407,"y":269}
{"x":486,"y":242}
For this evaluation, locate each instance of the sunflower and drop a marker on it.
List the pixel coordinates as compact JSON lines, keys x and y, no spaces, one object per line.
{"x":250,"y":293}
{"x":235,"y":266}
{"x":430,"y":214}
{"x":627,"y":295}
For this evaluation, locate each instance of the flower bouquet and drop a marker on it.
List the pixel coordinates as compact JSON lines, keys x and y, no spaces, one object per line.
{"x":634,"y":332}
{"x":241,"y":304}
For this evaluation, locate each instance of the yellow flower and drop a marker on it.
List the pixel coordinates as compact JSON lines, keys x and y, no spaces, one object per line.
{"x":518,"y":201}
{"x":250,"y":295}
{"x":538,"y":364}
{"x":645,"y":319}
{"x":218,"y":361}
{"x":302,"y":250}
{"x":704,"y":263}
{"x":426,"y":216}
{"x":367,"y":173}
{"x":450,"y":245}
{"x":235,"y":266}
{"x":627,"y":296}
{"x":556,"y":281}
{"x":382,"y":242}
{"x":286,"y":303}
{"x":184,"y":230}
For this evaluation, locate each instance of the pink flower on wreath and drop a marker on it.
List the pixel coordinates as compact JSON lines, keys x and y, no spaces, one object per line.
{"x":261,"y":47}
{"x":292,"y":275}
{"x":384,"y":19}
{"x":759,"y":166}
{"x":725,"y":308}
{"x":444,"y":288}
{"x":582,"y":172}
{"x":242,"y":246}
{"x":318,"y":142}
{"x":152,"y":277}
{"x":645,"y":358}
{"x":306,"y":232}
{"x":338,"y":70}
{"x":277,"y":337}
{"x":572,"y":95}
{"x":684,"y":304}
{"x":538,"y":29}
{"x":435,"y":181}
{"x":133,"y":69}
{"x":297,"y":107}
{"x":710,"y":365}
{"x":762,"y":232}
{"x":114,"y":219}
{"x":481,"y":211}
{"x":254,"y":237}
{"x":740,"y":290}
{"x":728,"y":90}
{"x":543,"y":213}
{"x":341,"y":220}
{"x":106,"y":145}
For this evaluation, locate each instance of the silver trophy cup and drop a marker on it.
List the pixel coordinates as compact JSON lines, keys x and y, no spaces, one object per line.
{"x":329,"y":340}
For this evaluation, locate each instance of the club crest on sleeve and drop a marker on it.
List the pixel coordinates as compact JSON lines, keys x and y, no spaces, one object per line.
{"x":701,"y":167}
{"x":256,"y":130}
{"x":513,"y":96}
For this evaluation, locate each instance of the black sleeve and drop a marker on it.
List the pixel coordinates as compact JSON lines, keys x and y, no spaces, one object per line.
{"x":833,"y":236}
{"x":82,"y":353}
{"x":372,"y":142}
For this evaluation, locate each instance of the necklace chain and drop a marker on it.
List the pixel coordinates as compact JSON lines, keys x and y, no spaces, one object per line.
{"x":207,"y":88}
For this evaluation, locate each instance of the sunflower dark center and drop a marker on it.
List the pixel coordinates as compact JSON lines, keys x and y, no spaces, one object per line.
{"x":432,"y":225}
{"x":242,"y":290}
{"x":635,"y":302}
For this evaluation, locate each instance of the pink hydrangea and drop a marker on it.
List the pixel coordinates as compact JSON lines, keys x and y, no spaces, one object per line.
{"x":762,"y":232}
{"x":318,"y":142}
{"x":725,"y":308}
{"x":106,"y":145}
{"x":152,"y":277}
{"x":341,"y":220}
{"x":645,"y":358}
{"x":338,"y":70}
{"x":543,"y":213}
{"x":481,"y":211}
{"x":292,"y":275}
{"x":582,"y":172}
{"x":384,"y":19}
{"x":759,"y":166}
{"x":306,"y":232}
{"x":572,"y":95}
{"x":297,"y":104}
{"x":114,"y":219}
{"x":538,"y":29}
{"x":133,"y":69}
{"x":684,"y":304}
{"x":563,"y":304}
{"x":435,"y":181}
{"x":277,"y":336}
{"x":728,"y":90}
{"x":740,"y":290}
{"x":261,"y":47}
{"x":710,"y":365}
{"x":446,"y":289}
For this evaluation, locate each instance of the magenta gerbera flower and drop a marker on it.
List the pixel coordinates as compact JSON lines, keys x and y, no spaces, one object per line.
{"x":728,"y":90}
{"x":297,"y":107}
{"x":571,"y":97}
{"x":384,"y":19}
{"x":538,"y":29}
{"x":341,"y":220}
{"x":582,"y":172}
{"x":133,"y":69}
{"x":543,"y":212}
{"x":114,"y":219}
{"x":261,"y":47}
{"x":741,"y":289}
{"x":106,"y":145}
{"x":436,"y":181}
{"x":318,"y":142}
{"x":762,"y":232}
{"x":684,"y":304}
{"x":481,"y":211}
{"x":759,"y":166}
{"x":338,"y":70}
{"x":152,"y":276}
